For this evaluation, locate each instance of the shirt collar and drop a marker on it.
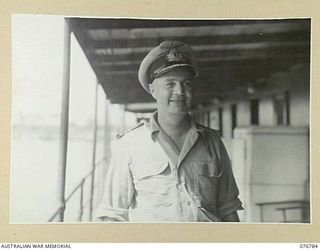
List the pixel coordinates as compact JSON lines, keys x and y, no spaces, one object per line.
{"x":155,"y":127}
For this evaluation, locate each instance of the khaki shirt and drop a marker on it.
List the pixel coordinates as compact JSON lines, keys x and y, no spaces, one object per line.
{"x":149,"y":180}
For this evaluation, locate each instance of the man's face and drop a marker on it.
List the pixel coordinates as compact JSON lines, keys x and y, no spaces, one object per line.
{"x":172,"y":91}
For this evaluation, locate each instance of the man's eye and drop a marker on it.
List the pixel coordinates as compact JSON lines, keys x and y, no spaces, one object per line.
{"x":187,"y":84}
{"x":169,"y":84}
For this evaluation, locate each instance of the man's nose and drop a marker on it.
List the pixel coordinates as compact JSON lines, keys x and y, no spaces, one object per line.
{"x":179,"y":88}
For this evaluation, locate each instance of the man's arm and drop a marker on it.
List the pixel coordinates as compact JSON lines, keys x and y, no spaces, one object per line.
{"x":119,"y":190}
{"x":229,"y":202}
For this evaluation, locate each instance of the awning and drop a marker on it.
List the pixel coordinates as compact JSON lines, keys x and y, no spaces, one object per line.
{"x":232,"y":54}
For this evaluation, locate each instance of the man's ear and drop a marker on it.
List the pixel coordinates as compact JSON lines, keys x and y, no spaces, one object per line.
{"x":151,"y":88}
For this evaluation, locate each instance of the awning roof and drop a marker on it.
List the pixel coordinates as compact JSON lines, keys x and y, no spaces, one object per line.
{"x":231,"y":54}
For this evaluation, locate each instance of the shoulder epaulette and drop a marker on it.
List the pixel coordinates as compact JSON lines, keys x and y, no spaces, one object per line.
{"x":207,"y":128}
{"x":127,"y":131}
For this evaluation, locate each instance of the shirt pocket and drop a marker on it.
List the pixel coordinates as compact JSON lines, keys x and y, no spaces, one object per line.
{"x":153,"y":183}
{"x":150,"y":169}
{"x":208,"y":182}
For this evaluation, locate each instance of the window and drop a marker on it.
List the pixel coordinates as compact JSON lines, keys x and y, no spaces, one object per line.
{"x":208,"y":119}
{"x":233,"y":118}
{"x":254,"y":109}
{"x":281,"y":105}
{"x":220,"y":110}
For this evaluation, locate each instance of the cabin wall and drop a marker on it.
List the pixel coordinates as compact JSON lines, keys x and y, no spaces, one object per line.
{"x":243,"y":118}
{"x":266,"y":111}
{"x":295,"y":82}
{"x":300,"y":98}
{"x":275,"y":169}
{"x":257,"y":152}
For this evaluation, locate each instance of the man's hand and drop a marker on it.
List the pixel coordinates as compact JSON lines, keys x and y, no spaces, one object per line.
{"x":108,"y":219}
{"x":231,"y":217}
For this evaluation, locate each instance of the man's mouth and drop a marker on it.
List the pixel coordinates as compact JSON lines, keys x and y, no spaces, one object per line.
{"x":178,"y":100}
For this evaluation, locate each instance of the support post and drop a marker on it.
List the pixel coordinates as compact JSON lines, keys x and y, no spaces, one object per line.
{"x":261,"y":213}
{"x":94,"y":151}
{"x":64,"y":122}
{"x":107,"y":141}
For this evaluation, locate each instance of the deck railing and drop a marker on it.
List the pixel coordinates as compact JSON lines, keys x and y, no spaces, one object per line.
{"x":80,"y":187}
{"x":300,"y":207}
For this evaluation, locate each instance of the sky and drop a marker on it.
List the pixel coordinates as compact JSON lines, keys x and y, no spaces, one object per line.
{"x":37,"y":61}
{"x":37,"y":45}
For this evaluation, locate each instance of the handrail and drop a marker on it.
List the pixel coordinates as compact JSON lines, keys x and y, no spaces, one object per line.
{"x":282,"y":202}
{"x":75,"y":189}
{"x":291,"y":204}
{"x":55,"y":214}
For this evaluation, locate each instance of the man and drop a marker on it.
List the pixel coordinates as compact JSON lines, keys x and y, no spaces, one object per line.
{"x":170,"y":169}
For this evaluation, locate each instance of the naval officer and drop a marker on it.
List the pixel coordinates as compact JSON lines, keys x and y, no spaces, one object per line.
{"x":170,"y":169}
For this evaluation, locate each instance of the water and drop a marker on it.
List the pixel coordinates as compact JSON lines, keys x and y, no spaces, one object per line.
{"x":34,"y":172}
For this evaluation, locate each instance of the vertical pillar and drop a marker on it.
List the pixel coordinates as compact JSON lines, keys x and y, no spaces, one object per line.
{"x":94,"y":151}
{"x":106,"y":147}
{"x":123,"y":119}
{"x":64,"y":121}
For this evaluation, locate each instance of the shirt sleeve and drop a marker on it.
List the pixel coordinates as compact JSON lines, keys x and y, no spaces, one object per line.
{"x":228,"y":190}
{"x":118,"y":190}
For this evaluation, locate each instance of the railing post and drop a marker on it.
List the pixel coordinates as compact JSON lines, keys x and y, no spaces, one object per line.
{"x":94,"y":151}
{"x":261,"y":213}
{"x":284,"y":214}
{"x":81,"y":199}
{"x":64,"y":122}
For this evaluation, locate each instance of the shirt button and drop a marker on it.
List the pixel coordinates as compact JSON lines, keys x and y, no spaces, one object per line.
{"x":189,"y":203}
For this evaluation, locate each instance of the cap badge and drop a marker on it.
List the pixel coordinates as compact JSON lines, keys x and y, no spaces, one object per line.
{"x":175,"y":56}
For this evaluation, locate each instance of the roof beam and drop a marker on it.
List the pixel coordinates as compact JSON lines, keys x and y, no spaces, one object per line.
{"x":78,"y":24}
{"x":200,"y":40}
{"x":217,"y":61}
{"x":292,"y":47}
{"x":227,"y":66}
{"x":132,"y":54}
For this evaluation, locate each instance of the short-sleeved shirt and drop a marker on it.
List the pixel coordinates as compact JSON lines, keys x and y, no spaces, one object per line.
{"x":151,"y":180}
